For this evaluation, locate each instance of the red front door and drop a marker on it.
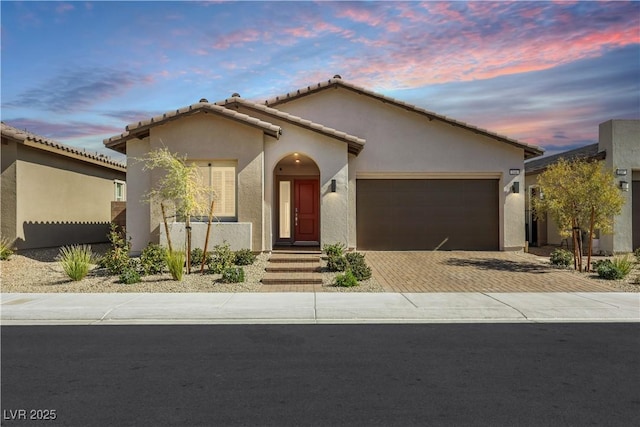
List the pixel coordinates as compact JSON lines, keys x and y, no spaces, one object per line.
{"x":305,"y":214}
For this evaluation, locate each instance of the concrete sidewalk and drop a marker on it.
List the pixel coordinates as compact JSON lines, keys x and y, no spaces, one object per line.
{"x":310,"y":308}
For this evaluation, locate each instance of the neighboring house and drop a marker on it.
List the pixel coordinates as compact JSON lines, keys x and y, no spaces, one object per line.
{"x":54,"y":195}
{"x":335,"y":162}
{"x":619,"y":149}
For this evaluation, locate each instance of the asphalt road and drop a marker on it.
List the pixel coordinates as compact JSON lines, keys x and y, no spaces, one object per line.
{"x":322,"y":375}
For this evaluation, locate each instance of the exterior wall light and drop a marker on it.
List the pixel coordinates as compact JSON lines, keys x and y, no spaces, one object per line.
{"x":624,"y":185}
{"x":333,"y":185}
{"x":621,"y":172}
{"x":514,"y":171}
{"x":515,"y":188}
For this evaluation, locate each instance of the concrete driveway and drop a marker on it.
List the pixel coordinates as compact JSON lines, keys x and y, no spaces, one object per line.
{"x":462,"y":271}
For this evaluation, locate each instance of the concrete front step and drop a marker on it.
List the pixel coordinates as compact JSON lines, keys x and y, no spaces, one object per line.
{"x":271,"y":278}
{"x":293,"y":258}
{"x":293,"y":267}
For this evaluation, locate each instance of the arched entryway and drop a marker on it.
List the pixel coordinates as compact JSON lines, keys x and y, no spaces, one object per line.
{"x":297,"y":201}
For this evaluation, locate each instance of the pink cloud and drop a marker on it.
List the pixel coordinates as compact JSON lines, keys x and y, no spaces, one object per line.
{"x":238,"y":38}
{"x":64,"y":7}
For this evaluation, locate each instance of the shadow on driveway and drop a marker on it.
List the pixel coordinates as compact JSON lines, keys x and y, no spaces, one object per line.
{"x":499,"y":265}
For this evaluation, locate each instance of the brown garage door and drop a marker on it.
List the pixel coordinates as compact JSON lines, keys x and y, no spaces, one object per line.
{"x":635,"y":206}
{"x":415,"y":214}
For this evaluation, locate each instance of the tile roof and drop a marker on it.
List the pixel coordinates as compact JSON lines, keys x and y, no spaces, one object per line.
{"x":530,"y":151}
{"x":588,"y":152}
{"x":355,"y":143}
{"x":141,"y":128}
{"x":46,"y":144}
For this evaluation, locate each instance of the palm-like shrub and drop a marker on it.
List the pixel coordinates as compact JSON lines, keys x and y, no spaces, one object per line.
{"x":75,"y":260}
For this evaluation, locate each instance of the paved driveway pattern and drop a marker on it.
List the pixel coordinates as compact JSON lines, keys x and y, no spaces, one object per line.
{"x":462,"y":271}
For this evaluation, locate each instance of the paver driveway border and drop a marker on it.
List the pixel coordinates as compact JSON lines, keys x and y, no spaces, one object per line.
{"x":470,"y":271}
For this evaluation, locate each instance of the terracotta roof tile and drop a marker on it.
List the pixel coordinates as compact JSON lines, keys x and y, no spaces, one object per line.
{"x":530,"y":150}
{"x":38,"y":141}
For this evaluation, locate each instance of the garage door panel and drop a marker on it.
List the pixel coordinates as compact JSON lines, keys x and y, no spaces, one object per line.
{"x":425,"y":214}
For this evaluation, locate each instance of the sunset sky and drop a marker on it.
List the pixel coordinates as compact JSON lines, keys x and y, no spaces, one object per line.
{"x":545,"y":73}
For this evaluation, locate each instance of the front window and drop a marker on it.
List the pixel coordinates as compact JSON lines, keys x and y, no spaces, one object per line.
{"x":220,"y":178}
{"x":119,"y":193}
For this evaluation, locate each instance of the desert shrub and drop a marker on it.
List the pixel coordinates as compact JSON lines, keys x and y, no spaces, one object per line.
{"x":233,"y":275}
{"x":196,"y":257}
{"x":153,"y":259}
{"x":5,"y":249}
{"x":222,"y":258}
{"x":116,"y":260}
{"x":75,"y":260}
{"x":244,"y":257}
{"x":346,"y":280}
{"x":615,"y":269}
{"x":175,"y":263}
{"x":636,"y":254}
{"x":337,"y":249}
{"x":357,"y":265}
{"x":337,"y":263}
{"x":561,"y":257}
{"x":130,"y":275}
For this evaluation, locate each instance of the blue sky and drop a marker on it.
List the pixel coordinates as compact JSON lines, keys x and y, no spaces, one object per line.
{"x":546,"y":73}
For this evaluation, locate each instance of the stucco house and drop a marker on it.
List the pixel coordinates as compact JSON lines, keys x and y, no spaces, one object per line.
{"x":335,"y":162}
{"x":53,"y":194}
{"x":618,"y":147}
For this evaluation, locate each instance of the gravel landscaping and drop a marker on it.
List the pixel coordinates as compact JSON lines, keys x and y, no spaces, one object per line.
{"x":37,"y":271}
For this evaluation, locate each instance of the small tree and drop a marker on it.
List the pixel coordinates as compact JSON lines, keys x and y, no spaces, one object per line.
{"x":579,"y":193}
{"x":180,"y":185}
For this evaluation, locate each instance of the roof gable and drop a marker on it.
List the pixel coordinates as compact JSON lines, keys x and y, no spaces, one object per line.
{"x":588,"y":152}
{"x":337,"y":82}
{"x":141,"y":129}
{"x":45,"y":144}
{"x":355,"y":144}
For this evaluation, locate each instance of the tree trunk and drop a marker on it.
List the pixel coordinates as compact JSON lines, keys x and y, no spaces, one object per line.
{"x":166,"y":227}
{"x":593,"y":217}
{"x":577,"y":261}
{"x":187,"y":227}
{"x":206,"y":239}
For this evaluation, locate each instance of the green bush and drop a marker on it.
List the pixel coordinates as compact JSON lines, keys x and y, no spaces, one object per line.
{"x":616,"y":269}
{"x":358,"y":266}
{"x":346,"y":280}
{"x":561,"y":257}
{"x":222,"y":258}
{"x":116,"y":260}
{"x":153,"y":259}
{"x":337,"y":249}
{"x":76,"y":260}
{"x":5,"y":249}
{"x":196,"y":257}
{"x":337,"y":263}
{"x":175,"y":263}
{"x":244,"y":257}
{"x":130,"y":275}
{"x":233,"y":275}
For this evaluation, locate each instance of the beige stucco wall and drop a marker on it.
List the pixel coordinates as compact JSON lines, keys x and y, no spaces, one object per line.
{"x":139,"y":226}
{"x":621,"y":140}
{"x":402,"y":141}
{"x":8,"y":155}
{"x":53,"y":200}
{"x":201,"y":137}
{"x":331,"y":158}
